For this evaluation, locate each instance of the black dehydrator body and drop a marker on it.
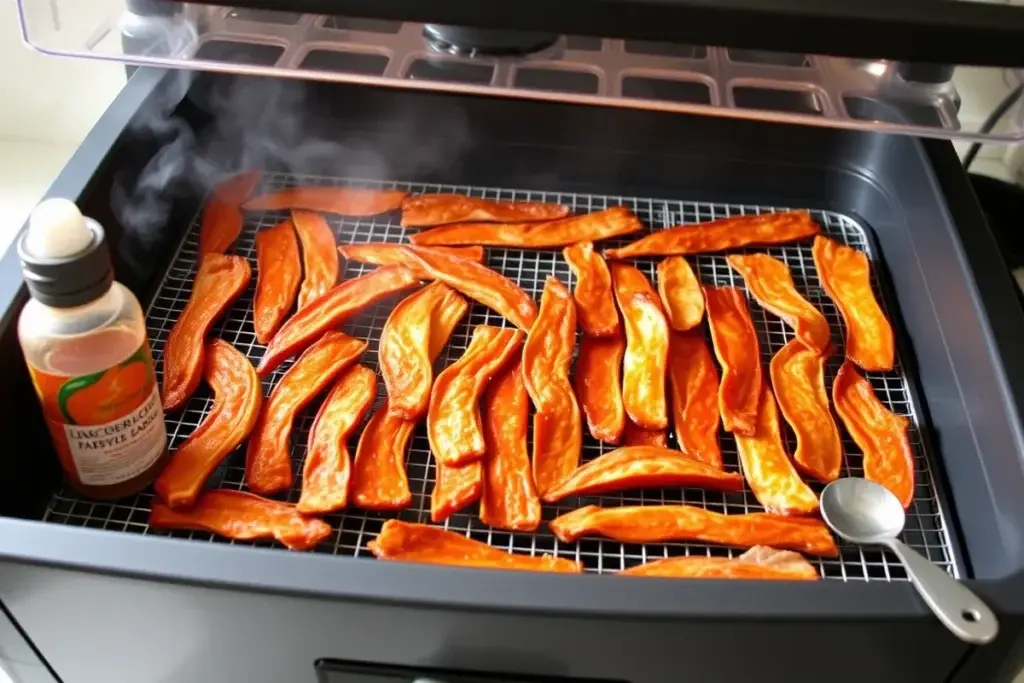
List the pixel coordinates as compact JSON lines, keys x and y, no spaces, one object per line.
{"x":111,"y":606}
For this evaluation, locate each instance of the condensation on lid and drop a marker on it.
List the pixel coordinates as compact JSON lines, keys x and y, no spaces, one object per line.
{"x":57,"y":230}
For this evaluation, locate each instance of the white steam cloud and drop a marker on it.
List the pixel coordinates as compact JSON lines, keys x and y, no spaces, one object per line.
{"x":261,"y":123}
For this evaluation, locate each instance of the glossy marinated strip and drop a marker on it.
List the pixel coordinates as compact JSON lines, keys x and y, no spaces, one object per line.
{"x":680,"y":293}
{"x":389,"y":254}
{"x":378,"y":479}
{"x":880,"y":433}
{"x":344,"y":201}
{"x":219,"y":282}
{"x":634,"y":435}
{"x":644,"y":467}
{"x":319,"y":256}
{"x":325,"y":473}
{"x":547,"y":356}
{"x":453,"y":417}
{"x":769,"y":280}
{"x":798,"y":377}
{"x":739,"y":354}
{"x":455,"y":488}
{"x":427,"y":210}
{"x":590,"y":227}
{"x":693,"y":384}
{"x":222,"y":219}
{"x":478,"y":282}
{"x":332,"y":309}
{"x":598,"y":380}
{"x":646,"y":357}
{"x":404,"y":351}
{"x":243,"y":517}
{"x":664,"y":523}
{"x":278,"y":273}
{"x":509,"y":499}
{"x":237,"y":397}
{"x":595,"y":303}
{"x":268,"y":467}
{"x":767,"y":468}
{"x":760,"y":562}
{"x":423,"y":543}
{"x":845,"y":276}
{"x":720,"y":235}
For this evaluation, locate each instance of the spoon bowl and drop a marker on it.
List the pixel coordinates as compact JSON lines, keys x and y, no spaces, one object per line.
{"x":864,"y":512}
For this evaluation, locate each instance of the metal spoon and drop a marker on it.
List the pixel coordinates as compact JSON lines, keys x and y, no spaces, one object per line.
{"x":864,"y":512}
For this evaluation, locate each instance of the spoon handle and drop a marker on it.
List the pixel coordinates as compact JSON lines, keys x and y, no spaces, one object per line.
{"x":954,"y":604}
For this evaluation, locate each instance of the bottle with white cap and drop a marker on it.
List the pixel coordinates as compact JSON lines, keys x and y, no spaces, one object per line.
{"x":84,"y":340}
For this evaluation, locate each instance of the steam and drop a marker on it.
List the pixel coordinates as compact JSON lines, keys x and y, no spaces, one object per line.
{"x":269,"y":124}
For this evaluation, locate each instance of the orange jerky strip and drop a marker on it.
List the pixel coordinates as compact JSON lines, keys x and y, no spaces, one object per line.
{"x":478,"y":282}
{"x":404,"y":351}
{"x":243,"y":517}
{"x":219,"y":282}
{"x":325,"y":473}
{"x":846,"y":277}
{"x":590,"y":227}
{"x":237,"y":397}
{"x":598,"y":381}
{"x":739,"y":354}
{"x":635,"y":435}
{"x":326,"y":313}
{"x":344,"y":201}
{"x":680,"y":293}
{"x":378,"y":470}
{"x":798,"y":377}
{"x":880,"y":433}
{"x":595,"y":302}
{"x":663,"y":523}
{"x":547,"y":356}
{"x":409,"y":542}
{"x":644,"y":467}
{"x":268,"y":467}
{"x":760,"y":562}
{"x":440,"y":209}
{"x":454,"y":489}
{"x":693,"y":382}
{"x":453,"y":417}
{"x":722,"y":234}
{"x":767,"y":468}
{"x":643,"y":373}
{"x":378,"y":479}
{"x":319,"y":256}
{"x":389,"y":254}
{"x":509,"y":499}
{"x":222,"y":219}
{"x":278,"y":273}
{"x":769,"y":280}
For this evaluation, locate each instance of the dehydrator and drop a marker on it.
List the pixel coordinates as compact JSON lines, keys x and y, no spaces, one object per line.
{"x":590,"y":104}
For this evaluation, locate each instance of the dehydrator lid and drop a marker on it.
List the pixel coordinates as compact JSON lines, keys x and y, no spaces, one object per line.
{"x":979,"y":32}
{"x":895,"y":66}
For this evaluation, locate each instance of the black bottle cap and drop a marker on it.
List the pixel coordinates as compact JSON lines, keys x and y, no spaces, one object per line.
{"x":68,"y":281}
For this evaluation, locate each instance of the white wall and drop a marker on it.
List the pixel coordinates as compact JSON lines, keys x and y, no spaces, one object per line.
{"x":49,"y":104}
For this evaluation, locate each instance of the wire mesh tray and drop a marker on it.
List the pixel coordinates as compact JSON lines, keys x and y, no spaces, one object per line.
{"x":926,"y":529}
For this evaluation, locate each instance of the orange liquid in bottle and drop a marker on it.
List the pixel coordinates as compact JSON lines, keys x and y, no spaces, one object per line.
{"x":98,"y":394}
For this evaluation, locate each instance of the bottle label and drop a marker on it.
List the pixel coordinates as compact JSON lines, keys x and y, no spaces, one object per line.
{"x":108,"y":426}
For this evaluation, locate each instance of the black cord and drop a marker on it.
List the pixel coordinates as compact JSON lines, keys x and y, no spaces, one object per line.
{"x":991,"y":122}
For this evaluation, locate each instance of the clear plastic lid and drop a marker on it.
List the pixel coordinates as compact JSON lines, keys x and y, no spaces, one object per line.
{"x":808,"y":89}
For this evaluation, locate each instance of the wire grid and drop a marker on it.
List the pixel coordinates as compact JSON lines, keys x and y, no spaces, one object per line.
{"x":926,"y":528}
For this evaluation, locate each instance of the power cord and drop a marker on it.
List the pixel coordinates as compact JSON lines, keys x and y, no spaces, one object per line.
{"x":990,"y":122}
